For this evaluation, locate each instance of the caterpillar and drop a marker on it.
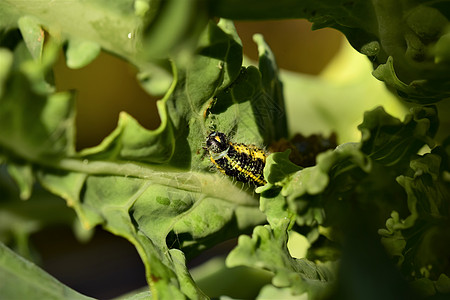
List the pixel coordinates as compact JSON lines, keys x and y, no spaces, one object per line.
{"x":242,"y":162}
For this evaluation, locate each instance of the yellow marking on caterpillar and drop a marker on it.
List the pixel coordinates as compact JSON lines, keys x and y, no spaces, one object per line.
{"x":243,"y":162}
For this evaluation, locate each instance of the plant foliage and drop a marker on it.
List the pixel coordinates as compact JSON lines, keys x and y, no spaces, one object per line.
{"x":375,"y":213}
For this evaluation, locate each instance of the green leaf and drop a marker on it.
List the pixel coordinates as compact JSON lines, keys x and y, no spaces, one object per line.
{"x":429,"y":288}
{"x":443,"y":284}
{"x":267,"y":249}
{"x":175,"y":26}
{"x":306,"y":190}
{"x":152,"y":208}
{"x":270,"y":108}
{"x":278,"y":167}
{"x":33,"y":35}
{"x":155,"y":187}
{"x":274,"y":206}
{"x":327,"y":13}
{"x":353,"y":174}
{"x":33,"y":123}
{"x":80,"y":53}
{"x":389,"y":141}
{"x":238,"y":283}
{"x":270,"y":292}
{"x":23,"y":176}
{"x":142,"y":32}
{"x":152,"y":187}
{"x":156,"y":78}
{"x":416,"y":241}
{"x":22,"y":279}
{"x":386,"y":32}
{"x":418,"y":90}
{"x":106,"y":23}
{"x":130,"y":141}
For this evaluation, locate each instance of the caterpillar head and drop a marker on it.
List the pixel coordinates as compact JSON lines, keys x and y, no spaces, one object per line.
{"x":217,"y":142}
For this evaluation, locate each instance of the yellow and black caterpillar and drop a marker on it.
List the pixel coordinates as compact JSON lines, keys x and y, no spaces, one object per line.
{"x":244,"y":163}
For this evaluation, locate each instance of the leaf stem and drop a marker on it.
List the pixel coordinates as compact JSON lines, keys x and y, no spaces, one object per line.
{"x":211,"y":185}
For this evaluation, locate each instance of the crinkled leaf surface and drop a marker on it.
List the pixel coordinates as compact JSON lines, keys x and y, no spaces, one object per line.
{"x":154,"y":188}
{"x":267,"y":249}
{"x":108,"y":25}
{"x":389,"y":141}
{"x":390,"y":34}
{"x":271,"y":107}
{"x":118,"y":26}
{"x":350,"y":189}
{"x":418,"y":241}
{"x":49,"y":117}
{"x":336,"y":171}
{"x":142,"y":32}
